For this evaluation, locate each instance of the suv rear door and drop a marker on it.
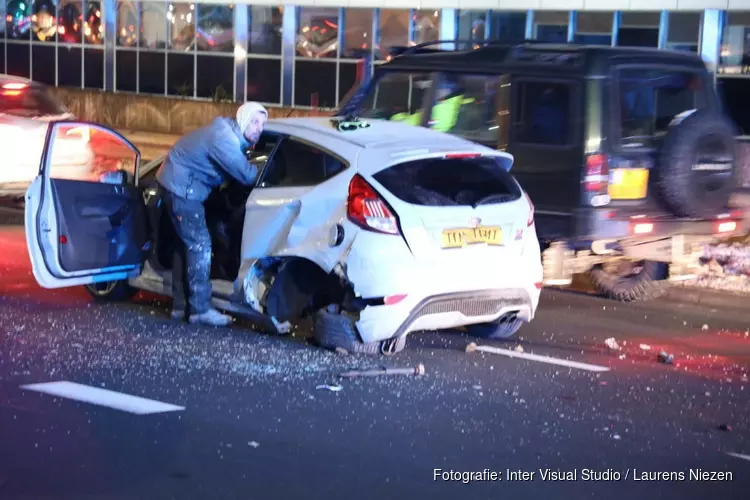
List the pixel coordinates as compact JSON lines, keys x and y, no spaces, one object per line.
{"x":645,"y":100}
{"x":85,"y":217}
{"x":545,"y":139}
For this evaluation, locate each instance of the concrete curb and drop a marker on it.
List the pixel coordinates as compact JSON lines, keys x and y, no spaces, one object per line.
{"x":718,"y":299}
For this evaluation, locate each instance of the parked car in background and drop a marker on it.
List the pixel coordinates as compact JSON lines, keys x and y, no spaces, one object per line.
{"x":371,"y":229}
{"x":26,"y":108}
{"x":626,"y":152}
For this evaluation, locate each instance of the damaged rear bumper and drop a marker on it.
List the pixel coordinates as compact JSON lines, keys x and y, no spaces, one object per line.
{"x":442,"y":311}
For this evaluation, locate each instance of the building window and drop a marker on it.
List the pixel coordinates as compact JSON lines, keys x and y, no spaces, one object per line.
{"x":594,"y":28}
{"x":734,"y":67}
{"x":55,"y":42}
{"x":551,"y":26}
{"x":175,"y":49}
{"x":735,"y":45}
{"x":393,"y":31}
{"x":264,"y":69}
{"x":507,"y":26}
{"x":639,"y":29}
{"x":684,"y":31}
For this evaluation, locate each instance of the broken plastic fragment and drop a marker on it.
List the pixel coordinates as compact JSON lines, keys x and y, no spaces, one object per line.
{"x":332,"y":388}
{"x":519,"y":348}
{"x":282,"y":328}
{"x":645,"y":347}
{"x":665,"y":358}
{"x":612,"y":344}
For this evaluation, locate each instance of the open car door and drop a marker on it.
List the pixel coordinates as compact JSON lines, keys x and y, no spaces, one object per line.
{"x":85,"y":218}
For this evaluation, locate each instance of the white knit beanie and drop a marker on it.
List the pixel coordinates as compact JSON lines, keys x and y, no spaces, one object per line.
{"x":246,"y":111}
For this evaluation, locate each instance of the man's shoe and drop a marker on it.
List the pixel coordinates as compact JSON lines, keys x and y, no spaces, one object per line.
{"x":212,"y":317}
{"x":178,"y":315}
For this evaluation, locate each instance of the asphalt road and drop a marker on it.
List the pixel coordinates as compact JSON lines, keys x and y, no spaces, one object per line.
{"x":253,"y":424}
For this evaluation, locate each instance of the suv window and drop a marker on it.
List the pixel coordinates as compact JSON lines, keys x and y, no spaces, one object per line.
{"x":650,"y":98}
{"x":396,"y":96}
{"x":466,"y":105}
{"x":29,"y":102}
{"x":542,"y":113}
{"x":297,"y":164}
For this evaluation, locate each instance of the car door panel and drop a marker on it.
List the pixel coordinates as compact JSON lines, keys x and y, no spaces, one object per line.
{"x":80,"y":227}
{"x":101,"y":224}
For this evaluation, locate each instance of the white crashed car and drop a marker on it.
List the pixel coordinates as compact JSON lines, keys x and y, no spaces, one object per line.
{"x":372,"y":229}
{"x":26,"y":108}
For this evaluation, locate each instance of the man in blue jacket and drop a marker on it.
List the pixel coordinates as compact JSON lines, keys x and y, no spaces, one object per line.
{"x":196,"y":164}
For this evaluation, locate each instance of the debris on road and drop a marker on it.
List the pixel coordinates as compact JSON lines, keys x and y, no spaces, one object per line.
{"x":332,"y":388}
{"x":621,"y":356}
{"x":665,"y":358}
{"x":417,"y":370}
{"x":519,"y":348}
{"x":616,"y":437}
{"x":612,"y":344}
{"x":704,"y":327}
{"x":645,"y":347}
{"x":253,"y":444}
{"x":472,"y":347}
{"x":725,"y":427}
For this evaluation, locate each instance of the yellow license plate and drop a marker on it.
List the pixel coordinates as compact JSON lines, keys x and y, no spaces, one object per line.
{"x":456,"y":238}
{"x":628,"y":183}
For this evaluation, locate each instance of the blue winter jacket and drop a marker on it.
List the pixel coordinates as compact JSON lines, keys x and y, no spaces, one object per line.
{"x":205,"y":158}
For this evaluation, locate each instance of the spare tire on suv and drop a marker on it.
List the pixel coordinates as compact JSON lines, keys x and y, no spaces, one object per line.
{"x":697,"y":168}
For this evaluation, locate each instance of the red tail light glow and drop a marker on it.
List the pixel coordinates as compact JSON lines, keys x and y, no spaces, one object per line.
{"x":530,"y":220}
{"x":394,"y":299}
{"x":596,"y":179}
{"x":456,"y":156}
{"x":368,"y":210}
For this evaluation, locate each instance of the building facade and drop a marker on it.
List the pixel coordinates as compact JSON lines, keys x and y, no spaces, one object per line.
{"x":309,"y":53}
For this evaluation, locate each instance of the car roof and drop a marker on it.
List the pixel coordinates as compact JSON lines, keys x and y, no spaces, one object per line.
{"x":381,"y":144}
{"x":14,"y":79}
{"x":504,"y":55}
{"x":379,"y":133}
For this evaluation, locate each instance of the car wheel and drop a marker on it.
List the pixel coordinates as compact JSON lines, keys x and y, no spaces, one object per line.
{"x":627,"y":281}
{"x":336,"y":331}
{"x":111,"y":291}
{"x":503,"y":328}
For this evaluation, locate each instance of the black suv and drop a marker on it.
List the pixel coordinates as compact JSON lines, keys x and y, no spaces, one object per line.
{"x":625,"y":152}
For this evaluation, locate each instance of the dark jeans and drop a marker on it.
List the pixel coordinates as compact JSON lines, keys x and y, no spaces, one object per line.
{"x":191,"y":267}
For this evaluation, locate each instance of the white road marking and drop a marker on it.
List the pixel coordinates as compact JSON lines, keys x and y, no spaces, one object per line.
{"x":543,"y":359}
{"x":739,"y":455}
{"x":103,"y":397}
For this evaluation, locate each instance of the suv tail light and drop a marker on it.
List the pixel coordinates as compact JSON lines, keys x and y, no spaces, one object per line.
{"x":596,"y":177}
{"x":530,"y":220}
{"x":367,"y":209}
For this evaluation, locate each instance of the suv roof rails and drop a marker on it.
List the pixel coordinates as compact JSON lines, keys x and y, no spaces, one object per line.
{"x":424,"y":46}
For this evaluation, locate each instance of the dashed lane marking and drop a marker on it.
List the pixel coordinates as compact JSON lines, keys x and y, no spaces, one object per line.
{"x":103,"y":397}
{"x":739,"y":455}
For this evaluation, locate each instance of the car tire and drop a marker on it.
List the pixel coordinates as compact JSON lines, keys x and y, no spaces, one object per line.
{"x":111,"y":291}
{"x":646,"y":284}
{"x":336,"y":331}
{"x":703,"y":137}
{"x":500,"y":329}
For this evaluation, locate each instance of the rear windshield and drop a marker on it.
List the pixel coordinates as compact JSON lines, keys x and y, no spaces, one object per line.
{"x":29,"y":102}
{"x":450,"y":182}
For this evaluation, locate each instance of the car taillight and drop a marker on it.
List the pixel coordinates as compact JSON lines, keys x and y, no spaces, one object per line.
{"x":15,"y":86}
{"x":530,"y":220}
{"x":367,"y":209}
{"x":596,"y":178}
